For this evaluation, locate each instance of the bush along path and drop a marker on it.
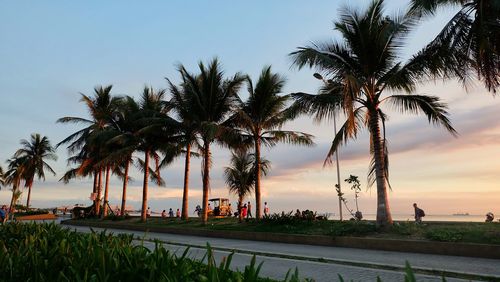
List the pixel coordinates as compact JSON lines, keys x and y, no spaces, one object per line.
{"x":47,"y":252}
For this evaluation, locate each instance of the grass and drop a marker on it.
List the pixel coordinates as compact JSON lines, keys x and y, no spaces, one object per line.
{"x":466,"y":232}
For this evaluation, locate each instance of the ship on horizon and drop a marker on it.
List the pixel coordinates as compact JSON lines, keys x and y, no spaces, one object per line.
{"x":461,"y":214}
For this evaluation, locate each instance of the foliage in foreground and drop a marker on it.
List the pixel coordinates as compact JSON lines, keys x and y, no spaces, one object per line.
{"x":47,"y":252}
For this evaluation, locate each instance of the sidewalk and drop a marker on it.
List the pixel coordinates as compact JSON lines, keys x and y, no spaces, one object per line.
{"x":333,"y":255}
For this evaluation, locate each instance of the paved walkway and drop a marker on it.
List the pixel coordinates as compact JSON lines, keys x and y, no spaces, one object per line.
{"x":355,"y":264}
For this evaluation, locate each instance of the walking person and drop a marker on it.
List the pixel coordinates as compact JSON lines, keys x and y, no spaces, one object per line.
{"x":419,"y":213}
{"x":178,"y":213}
{"x":171,"y":212}
{"x":266,"y":209}
{"x":249,"y":210}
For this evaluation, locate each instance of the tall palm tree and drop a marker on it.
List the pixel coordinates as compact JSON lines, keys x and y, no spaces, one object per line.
{"x":472,"y":36}
{"x":152,"y":135}
{"x":261,"y":117}
{"x":102,"y":108}
{"x":187,"y":125}
{"x":33,"y":155}
{"x":212,"y":99}
{"x":240,"y":176}
{"x":124,"y":137}
{"x":362,"y":67}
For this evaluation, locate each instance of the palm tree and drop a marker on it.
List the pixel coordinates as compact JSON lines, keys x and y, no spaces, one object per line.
{"x":472,"y":36}
{"x":261,"y":117}
{"x":124,"y":131}
{"x":14,"y":176}
{"x":32,"y":156}
{"x":212,"y":99}
{"x":240,"y":176}
{"x":152,"y":136}
{"x":102,"y":108}
{"x":361,"y":67}
{"x":185,"y":111}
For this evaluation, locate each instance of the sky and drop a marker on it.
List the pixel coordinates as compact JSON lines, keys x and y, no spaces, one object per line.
{"x":51,"y":51}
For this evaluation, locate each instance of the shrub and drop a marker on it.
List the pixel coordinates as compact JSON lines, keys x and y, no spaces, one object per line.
{"x":47,"y":252}
{"x":33,"y":212}
{"x":445,"y":235}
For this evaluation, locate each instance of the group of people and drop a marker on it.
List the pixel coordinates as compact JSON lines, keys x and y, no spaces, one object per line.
{"x":246,"y":210}
{"x":171,"y":213}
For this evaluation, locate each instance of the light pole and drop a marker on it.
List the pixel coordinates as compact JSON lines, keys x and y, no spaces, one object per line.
{"x":320,"y":77}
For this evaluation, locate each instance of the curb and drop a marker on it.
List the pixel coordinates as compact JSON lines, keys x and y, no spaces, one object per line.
{"x":394,"y":245}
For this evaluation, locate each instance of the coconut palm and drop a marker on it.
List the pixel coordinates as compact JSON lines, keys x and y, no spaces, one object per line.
{"x":153,"y":130}
{"x":362,"y":68}
{"x":472,"y":36}
{"x":185,"y":112}
{"x":240,"y":176}
{"x":261,"y":117}
{"x":125,"y":140}
{"x":32,"y":156}
{"x":14,"y":176}
{"x":212,"y":99}
{"x":102,"y":107}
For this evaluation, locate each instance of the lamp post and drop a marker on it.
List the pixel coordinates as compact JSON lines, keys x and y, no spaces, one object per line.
{"x":320,"y":77}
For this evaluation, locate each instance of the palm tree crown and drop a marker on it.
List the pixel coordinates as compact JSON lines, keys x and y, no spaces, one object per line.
{"x":361,"y":69}
{"x":472,"y":36}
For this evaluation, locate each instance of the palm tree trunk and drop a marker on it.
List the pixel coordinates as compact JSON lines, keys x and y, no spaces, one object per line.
{"x":29,"y":196}
{"x":125,"y":182}
{"x":94,"y":188}
{"x":240,"y":204}
{"x":97,"y":202}
{"x":384,"y":217}
{"x":106,"y":192}
{"x":206,"y":180}
{"x":257,"y":179}
{"x":145,"y":186}
{"x":185,"y":208}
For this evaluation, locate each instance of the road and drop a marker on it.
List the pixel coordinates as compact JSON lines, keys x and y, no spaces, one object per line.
{"x":323,"y":263}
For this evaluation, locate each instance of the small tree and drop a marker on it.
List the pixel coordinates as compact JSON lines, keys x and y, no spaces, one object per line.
{"x":356,"y":187}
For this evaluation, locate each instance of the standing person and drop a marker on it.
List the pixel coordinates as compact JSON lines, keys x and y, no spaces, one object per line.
{"x":419,"y":213}
{"x":178,"y":213}
{"x":148,"y":212}
{"x":229,"y":210}
{"x":266,"y":209}
{"x":171,"y":212}
{"x":244,"y":211}
{"x":249,"y":211}
{"x":163,"y":214}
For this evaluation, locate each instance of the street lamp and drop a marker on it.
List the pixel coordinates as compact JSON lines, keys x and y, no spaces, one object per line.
{"x":320,"y":77}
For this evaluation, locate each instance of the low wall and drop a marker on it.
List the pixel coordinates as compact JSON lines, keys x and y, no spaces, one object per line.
{"x":396,"y":245}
